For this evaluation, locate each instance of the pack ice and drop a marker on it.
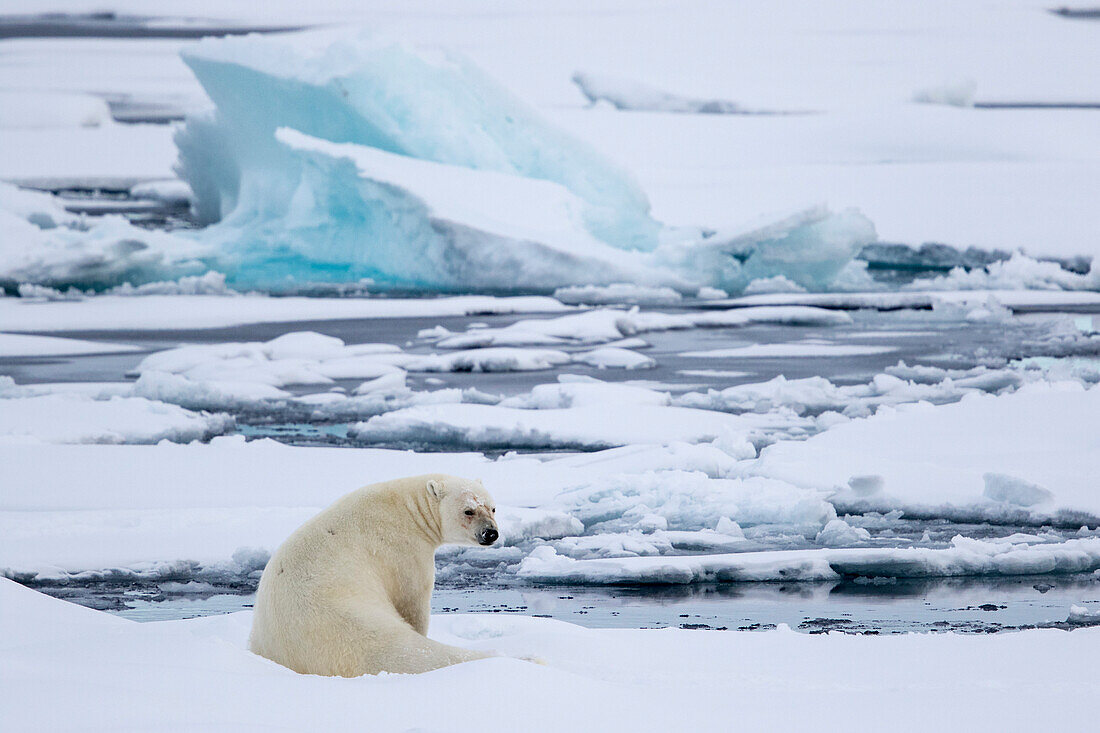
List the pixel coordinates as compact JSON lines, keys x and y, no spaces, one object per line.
{"x":359,"y":158}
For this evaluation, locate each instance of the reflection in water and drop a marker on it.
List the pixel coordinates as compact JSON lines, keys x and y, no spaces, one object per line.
{"x":972,"y":605}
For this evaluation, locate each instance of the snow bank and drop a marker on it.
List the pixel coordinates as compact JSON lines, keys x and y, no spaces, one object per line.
{"x":53,"y":648}
{"x":1028,"y":456}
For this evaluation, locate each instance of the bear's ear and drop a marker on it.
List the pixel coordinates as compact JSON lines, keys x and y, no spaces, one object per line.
{"x":435,"y":488}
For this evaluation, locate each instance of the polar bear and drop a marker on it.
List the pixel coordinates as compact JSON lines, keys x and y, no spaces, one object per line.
{"x":349,"y":592}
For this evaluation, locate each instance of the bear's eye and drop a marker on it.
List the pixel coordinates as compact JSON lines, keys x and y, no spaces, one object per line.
{"x":493,"y":510}
{"x":469,"y":512}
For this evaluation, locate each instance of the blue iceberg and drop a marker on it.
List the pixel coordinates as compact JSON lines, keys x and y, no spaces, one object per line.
{"x":337,"y":161}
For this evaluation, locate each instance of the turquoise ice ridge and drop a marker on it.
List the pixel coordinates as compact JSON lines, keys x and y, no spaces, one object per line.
{"x":361,"y":159}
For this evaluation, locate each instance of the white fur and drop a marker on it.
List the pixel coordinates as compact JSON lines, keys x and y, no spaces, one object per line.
{"x":349,"y":591}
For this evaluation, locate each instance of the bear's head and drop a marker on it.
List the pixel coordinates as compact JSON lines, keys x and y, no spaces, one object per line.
{"x":467,"y":511}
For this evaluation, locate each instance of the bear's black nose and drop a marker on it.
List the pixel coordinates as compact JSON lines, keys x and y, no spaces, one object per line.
{"x":488,"y":536}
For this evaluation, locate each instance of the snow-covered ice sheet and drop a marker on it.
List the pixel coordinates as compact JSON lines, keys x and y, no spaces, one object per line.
{"x":794,"y":349}
{"x":1014,"y":299}
{"x":40,"y":242}
{"x":114,"y":157}
{"x":75,"y":418}
{"x":53,"y":649}
{"x":588,"y":427}
{"x":1030,"y":454}
{"x":604,"y":325}
{"x":617,"y":294}
{"x":14,"y":344}
{"x":20,"y":110}
{"x":964,"y":557}
{"x":152,"y":312}
{"x":188,"y":509}
{"x":901,"y":384}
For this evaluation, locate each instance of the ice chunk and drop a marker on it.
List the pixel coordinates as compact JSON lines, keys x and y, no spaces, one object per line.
{"x":1012,"y":490}
{"x":612,"y":357}
{"x":627,"y":293}
{"x":518,"y":524}
{"x":729,"y":527}
{"x":426,"y":104}
{"x":626,"y":94}
{"x":815,"y":395}
{"x":1083,"y":616}
{"x":1019,"y":272}
{"x":707,"y":293}
{"x":955,"y":94}
{"x":582,"y":393}
{"x":171,"y":192}
{"x":773,"y":284}
{"x":458,"y":227}
{"x":690,"y":500}
{"x":43,"y":244}
{"x":498,"y":359}
{"x":609,"y":325}
{"x":838,"y":533}
{"x":411,"y":168}
{"x":212,"y":283}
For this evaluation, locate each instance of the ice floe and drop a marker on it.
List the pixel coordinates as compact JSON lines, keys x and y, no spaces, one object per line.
{"x":52,"y":647}
{"x":75,"y":418}
{"x":42,"y":243}
{"x":901,"y":384}
{"x":586,"y":427}
{"x":619,"y":293}
{"x":604,"y":325}
{"x":15,"y":344}
{"x":1026,"y":456}
{"x":965,"y":556}
{"x":794,"y":349}
{"x":159,"y":312}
